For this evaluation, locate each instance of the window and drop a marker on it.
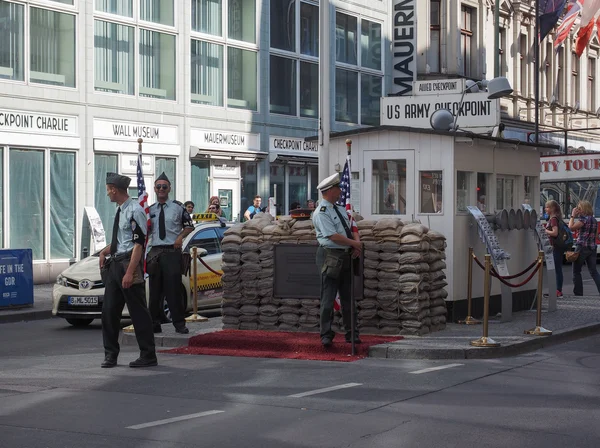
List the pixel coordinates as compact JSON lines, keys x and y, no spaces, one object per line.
{"x":431,"y":191}
{"x":575,"y":88}
{"x":205,"y":239}
{"x":463,"y":187}
{"x":277,"y":187}
{"x":482,"y":191}
{"x":114,"y":53}
{"x":389,"y":187}
{"x":358,"y":73}
{"x":505,"y":188}
{"x":207,"y":73}
{"x":206,"y":17}
{"x":249,"y":186}
{"x":158,"y":11}
{"x":167,"y":165}
{"x":12,"y":41}
{"x":118,"y":7}
{"x":157,"y":65}
{"x":298,"y":183}
{"x":548,"y":71}
{"x":1,"y":198}
{"x":591,"y":85}
{"x":560,"y":78}
{"x":26,"y":200}
{"x":242,"y":20}
{"x":289,"y":54}
{"x":435,"y":45}
{"x":62,"y":205}
{"x":314,"y":181}
{"x":199,"y":181}
{"x":503,"y":53}
{"x":241,"y":78}
{"x":52,"y":47}
{"x":528,"y":186}
{"x":103,"y":164}
{"x":467,"y":17}
{"x":523,"y":63}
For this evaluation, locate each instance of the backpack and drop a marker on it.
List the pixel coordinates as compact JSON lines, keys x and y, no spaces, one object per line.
{"x":564,"y":239}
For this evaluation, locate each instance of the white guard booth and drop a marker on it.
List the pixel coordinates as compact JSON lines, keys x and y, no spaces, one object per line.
{"x":432,"y":177}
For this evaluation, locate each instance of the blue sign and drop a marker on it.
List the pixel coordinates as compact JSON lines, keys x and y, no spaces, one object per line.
{"x":16,"y":277}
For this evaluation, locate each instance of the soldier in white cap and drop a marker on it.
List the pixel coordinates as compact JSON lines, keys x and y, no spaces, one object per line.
{"x":337,"y":246}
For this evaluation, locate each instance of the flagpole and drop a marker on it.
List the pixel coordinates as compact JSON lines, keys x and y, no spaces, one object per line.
{"x":324,"y":89}
{"x":497,"y":39}
{"x":536,"y":75}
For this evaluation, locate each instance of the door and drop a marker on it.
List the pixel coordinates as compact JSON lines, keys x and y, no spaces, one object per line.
{"x":228,"y":192}
{"x":389,"y":187}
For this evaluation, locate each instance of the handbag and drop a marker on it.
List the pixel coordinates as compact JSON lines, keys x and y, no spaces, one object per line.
{"x":571,"y":256}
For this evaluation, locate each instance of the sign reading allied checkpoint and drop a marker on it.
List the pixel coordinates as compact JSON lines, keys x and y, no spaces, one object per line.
{"x":16,"y":277}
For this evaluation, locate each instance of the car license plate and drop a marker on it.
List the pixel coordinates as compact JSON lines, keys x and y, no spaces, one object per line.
{"x":84,"y":301}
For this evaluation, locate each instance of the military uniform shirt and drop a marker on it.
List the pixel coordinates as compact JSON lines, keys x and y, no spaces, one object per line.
{"x":132,"y":226}
{"x":176,"y":219}
{"x":327,"y":223}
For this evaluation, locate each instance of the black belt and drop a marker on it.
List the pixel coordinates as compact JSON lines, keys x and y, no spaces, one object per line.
{"x":120,"y":257}
{"x":337,"y":250}
{"x":164,"y":246}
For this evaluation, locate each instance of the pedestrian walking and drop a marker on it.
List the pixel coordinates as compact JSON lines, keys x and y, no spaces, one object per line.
{"x":123,"y":277}
{"x":171,"y":223}
{"x":582,"y":220}
{"x":337,"y":246}
{"x":558,"y":251}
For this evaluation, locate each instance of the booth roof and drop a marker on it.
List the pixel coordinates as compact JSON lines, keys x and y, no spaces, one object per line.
{"x":434,"y":132}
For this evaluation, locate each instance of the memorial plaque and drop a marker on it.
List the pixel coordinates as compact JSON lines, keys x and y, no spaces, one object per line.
{"x":296,"y":274}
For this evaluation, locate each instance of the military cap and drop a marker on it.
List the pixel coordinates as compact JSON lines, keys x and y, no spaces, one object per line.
{"x":329,"y":182}
{"x":164,"y":177}
{"x":117,"y":180}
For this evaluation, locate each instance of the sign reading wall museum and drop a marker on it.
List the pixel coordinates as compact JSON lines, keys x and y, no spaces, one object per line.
{"x":404,"y":46}
{"x":293,"y":145}
{"x":122,"y":130}
{"x":415,"y":111}
{"x":224,"y":140}
{"x":33,"y":122}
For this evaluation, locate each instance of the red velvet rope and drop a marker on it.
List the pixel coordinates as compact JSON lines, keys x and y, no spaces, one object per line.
{"x":209,"y":268}
{"x":510,"y":277}
{"x":499,"y":277}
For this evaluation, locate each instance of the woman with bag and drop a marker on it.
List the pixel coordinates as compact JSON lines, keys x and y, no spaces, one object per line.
{"x":554,"y":217}
{"x":582,"y":220}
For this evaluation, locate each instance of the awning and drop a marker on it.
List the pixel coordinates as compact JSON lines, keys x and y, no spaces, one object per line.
{"x":245,"y":155}
{"x":275,"y":157}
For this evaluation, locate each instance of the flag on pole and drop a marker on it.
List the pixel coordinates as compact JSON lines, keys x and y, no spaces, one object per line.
{"x":563,"y":30}
{"x":589,"y":9}
{"x":550,"y":12}
{"x":583,"y":37}
{"x":143,"y":200}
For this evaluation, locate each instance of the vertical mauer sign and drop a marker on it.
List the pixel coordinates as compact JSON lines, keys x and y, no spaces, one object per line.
{"x":404,"y":46}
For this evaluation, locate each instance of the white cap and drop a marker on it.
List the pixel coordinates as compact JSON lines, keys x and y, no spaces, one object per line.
{"x":329,"y":182}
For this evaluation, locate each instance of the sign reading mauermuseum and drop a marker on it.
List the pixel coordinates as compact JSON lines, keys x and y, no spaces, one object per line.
{"x":33,"y":122}
{"x":296,"y":145}
{"x":122,"y":130}
{"x":224,"y":140}
{"x":404,"y":46}
{"x":477,"y":111}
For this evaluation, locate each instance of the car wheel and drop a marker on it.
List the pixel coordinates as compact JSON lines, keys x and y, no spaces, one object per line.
{"x":80,"y":322}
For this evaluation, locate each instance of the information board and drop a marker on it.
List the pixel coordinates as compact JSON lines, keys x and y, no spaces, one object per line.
{"x":16,"y":277}
{"x":296,"y":274}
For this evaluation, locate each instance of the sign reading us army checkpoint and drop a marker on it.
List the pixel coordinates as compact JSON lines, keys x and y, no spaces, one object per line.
{"x":478,"y":111}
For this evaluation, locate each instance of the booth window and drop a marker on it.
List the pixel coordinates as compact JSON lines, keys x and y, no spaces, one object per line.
{"x":167,"y":165}
{"x":298,"y":183}
{"x":200,"y":184}
{"x":431,"y":191}
{"x":463,"y":187}
{"x":505,"y":192}
{"x":528,"y":185}
{"x":482,"y":191}
{"x":62,"y":205}
{"x":389,"y":187}
{"x":277,"y":187}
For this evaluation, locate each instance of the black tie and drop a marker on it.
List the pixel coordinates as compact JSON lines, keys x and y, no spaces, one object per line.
{"x":115,"y":241}
{"x":162,"y":231}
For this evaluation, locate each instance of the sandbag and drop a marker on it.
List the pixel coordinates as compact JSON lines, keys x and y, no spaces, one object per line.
{"x":387,"y":223}
{"x":389,"y":246}
{"x":371,"y":264}
{"x":388,"y":266}
{"x":370,"y":292}
{"x":248,"y":247}
{"x":233,"y":230}
{"x":231,"y":258}
{"x":370,"y":273}
{"x":371,"y":255}
{"x":437,"y":265}
{"x":421,"y":246}
{"x":249,"y":257}
{"x":438,"y":294}
{"x":390,"y":256}
{"x":414,"y":268}
{"x":414,"y":229}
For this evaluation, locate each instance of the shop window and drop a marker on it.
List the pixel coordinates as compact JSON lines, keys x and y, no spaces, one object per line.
{"x":241,"y":79}
{"x":52,"y":47}
{"x":314,"y":181}
{"x":26,"y":201}
{"x":157,"y":65}
{"x":283,"y":25}
{"x":200,"y":184}
{"x":62,"y":205}
{"x":207,"y":73}
{"x":104,"y":163}
{"x":463,"y":182}
{"x":205,"y":239}
{"x":206,"y":16}
{"x":242,"y":21}
{"x":11,"y":41}
{"x":370,"y":98}
{"x":249,"y":187}
{"x":283,"y":85}
{"x":1,"y":198}
{"x":505,"y":188}
{"x":114,"y":50}
{"x":431,"y":191}
{"x":277,"y":187}
{"x":167,"y":165}
{"x":388,"y":187}
{"x":121,"y":8}
{"x":158,"y":11}
{"x":298,"y":184}
{"x":482,"y":191}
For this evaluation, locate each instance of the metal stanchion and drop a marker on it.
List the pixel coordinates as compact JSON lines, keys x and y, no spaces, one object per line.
{"x":539,"y":330}
{"x":486,"y":341}
{"x":195,"y":317}
{"x":469,"y":320}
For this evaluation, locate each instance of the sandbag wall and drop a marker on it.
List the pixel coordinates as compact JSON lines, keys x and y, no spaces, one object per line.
{"x":403,"y":278}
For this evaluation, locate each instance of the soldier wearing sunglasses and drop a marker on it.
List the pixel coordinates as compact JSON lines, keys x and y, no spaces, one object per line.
{"x":170,"y":224}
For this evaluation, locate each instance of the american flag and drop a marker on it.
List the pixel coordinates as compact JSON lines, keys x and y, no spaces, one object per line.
{"x":563,"y":30}
{"x":143,"y":199}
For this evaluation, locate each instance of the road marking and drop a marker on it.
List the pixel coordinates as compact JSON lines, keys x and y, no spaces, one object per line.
{"x":326,"y":389}
{"x":174,"y":419}
{"x":433,"y":369}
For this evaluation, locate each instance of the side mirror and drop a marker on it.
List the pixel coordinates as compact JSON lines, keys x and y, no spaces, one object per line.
{"x":200,"y":251}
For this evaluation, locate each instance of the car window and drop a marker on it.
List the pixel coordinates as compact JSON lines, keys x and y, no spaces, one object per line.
{"x":206,"y":239}
{"x":221,"y":231}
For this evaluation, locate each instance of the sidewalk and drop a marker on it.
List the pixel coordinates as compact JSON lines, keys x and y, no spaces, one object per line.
{"x":41,"y":309}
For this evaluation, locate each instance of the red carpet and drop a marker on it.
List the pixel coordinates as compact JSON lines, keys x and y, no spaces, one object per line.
{"x":274,"y":344}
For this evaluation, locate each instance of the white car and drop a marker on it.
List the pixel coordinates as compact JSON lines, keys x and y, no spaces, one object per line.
{"x":79,"y":292}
